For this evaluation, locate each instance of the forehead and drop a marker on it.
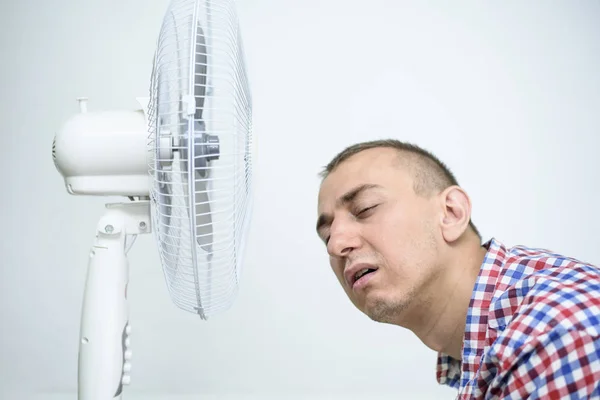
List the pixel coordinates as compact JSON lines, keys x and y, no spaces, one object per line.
{"x":379,"y":166}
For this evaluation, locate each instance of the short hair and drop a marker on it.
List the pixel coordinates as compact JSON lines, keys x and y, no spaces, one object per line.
{"x":430,"y":174}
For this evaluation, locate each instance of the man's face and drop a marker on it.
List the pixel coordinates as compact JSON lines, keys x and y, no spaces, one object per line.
{"x":371,"y":218}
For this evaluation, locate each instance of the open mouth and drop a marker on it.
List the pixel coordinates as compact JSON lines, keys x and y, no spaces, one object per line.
{"x":361,"y":275}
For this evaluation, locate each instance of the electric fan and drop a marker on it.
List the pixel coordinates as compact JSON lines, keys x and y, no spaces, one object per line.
{"x":183,"y":163}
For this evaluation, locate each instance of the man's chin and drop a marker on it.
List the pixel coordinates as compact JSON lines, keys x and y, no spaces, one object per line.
{"x":384,"y":311}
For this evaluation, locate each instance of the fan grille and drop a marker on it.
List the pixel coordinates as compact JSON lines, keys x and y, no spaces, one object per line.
{"x":202,"y":279}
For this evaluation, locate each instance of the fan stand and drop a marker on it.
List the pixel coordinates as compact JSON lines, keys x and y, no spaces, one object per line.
{"x":104,"y":348}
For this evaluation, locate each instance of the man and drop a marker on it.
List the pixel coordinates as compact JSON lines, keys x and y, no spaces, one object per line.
{"x":507,"y":323}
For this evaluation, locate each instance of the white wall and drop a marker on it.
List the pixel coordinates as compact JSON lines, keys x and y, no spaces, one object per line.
{"x":508,"y":94}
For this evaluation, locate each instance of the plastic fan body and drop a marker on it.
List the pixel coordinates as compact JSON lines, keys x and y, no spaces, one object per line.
{"x":184,"y":161}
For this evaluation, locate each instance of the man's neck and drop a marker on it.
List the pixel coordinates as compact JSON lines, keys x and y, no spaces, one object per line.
{"x":442,"y":312}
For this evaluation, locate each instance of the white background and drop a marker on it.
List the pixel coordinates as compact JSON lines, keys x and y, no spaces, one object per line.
{"x":506,"y":93}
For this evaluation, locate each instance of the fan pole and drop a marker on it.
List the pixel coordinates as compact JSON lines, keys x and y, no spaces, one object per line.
{"x":104,"y":349}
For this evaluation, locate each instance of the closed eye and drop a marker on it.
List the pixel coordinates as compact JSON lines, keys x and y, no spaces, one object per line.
{"x":364,"y":210}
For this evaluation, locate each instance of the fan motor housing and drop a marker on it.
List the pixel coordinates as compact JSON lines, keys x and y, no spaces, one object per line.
{"x":104,"y":153}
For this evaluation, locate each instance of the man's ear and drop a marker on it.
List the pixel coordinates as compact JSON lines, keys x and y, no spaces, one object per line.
{"x":456,"y":213}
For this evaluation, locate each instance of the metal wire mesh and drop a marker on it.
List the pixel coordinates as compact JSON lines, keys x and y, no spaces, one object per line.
{"x":200,"y":208}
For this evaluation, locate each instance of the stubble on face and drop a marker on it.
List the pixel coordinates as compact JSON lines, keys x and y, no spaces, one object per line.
{"x":402,"y":303}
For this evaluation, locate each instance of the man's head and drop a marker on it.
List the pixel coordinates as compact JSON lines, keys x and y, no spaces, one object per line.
{"x":396,"y":209}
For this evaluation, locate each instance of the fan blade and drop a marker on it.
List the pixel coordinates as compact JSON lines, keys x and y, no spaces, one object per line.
{"x":164,"y":198}
{"x":200,"y":199}
{"x":200,"y":72}
{"x":204,"y":229}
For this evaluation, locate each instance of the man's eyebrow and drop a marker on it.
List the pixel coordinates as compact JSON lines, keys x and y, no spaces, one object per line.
{"x":348,"y":197}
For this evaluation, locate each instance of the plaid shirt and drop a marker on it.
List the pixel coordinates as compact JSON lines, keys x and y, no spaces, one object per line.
{"x":532,"y":329}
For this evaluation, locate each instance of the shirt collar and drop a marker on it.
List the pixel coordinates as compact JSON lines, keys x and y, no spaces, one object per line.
{"x":454,"y":372}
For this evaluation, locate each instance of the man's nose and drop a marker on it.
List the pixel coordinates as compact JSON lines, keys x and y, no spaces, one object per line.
{"x":342,"y":240}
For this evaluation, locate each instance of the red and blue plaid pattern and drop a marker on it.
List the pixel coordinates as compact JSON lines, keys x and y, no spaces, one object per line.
{"x":532,"y":329}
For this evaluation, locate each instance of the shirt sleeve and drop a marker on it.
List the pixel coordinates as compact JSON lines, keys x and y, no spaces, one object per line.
{"x":558,"y":364}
